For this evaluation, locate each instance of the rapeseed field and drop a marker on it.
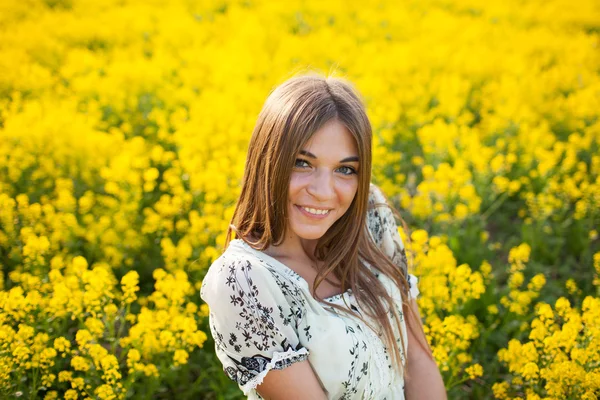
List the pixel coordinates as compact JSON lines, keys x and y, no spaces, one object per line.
{"x":123,"y":131}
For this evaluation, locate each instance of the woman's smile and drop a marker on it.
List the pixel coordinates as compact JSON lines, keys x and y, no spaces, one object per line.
{"x":323,"y":182}
{"x":314,"y":213}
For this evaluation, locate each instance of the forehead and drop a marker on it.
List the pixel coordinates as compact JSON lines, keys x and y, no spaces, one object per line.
{"x":332,"y":139}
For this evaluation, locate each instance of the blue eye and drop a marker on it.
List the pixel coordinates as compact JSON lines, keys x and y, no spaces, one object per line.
{"x":347,"y":171}
{"x":299,"y":162}
{"x":350,"y":169}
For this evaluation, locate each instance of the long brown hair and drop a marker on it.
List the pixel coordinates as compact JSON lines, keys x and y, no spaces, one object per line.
{"x":292,"y":113}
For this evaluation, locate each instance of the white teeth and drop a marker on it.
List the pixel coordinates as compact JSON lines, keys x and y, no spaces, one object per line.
{"x":315,"y":211}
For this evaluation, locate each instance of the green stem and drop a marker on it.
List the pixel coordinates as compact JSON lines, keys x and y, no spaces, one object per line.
{"x":452,"y":384}
{"x":111,"y":329}
{"x":495,"y":205}
{"x":33,"y":390}
{"x":121,"y":327}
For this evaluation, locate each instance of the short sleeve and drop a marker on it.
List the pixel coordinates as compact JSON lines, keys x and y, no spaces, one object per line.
{"x":384,"y":231}
{"x":250,"y":321}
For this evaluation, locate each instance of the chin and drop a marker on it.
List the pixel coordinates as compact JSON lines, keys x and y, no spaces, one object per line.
{"x":312,"y":237}
{"x":310,"y":234}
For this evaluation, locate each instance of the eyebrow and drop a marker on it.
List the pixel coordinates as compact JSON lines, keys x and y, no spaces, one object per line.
{"x":347,"y":159}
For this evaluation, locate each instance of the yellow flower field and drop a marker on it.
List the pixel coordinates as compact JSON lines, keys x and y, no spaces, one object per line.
{"x":123,"y":132}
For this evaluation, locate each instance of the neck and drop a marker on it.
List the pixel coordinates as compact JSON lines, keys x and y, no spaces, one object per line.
{"x":295,"y":248}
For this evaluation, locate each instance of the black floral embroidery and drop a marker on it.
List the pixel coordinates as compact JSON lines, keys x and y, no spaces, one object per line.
{"x":307,"y":332}
{"x":380,"y":222}
{"x":355,"y":374}
{"x":259,"y":323}
{"x":257,"y":363}
{"x":259,"y":327}
{"x":286,"y":362}
{"x":256,"y":329}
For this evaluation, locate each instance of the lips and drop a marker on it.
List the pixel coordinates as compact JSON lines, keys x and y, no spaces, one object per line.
{"x":307,"y":213}
{"x":315,"y":208}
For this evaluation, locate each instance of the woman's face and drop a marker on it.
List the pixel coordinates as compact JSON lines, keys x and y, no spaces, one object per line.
{"x":323,"y":182}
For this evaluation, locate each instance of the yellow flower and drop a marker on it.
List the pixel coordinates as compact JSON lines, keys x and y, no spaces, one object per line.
{"x":180,"y":357}
{"x":94,"y":326}
{"x":65,"y":376}
{"x":48,"y":379}
{"x":129,"y":285}
{"x":51,"y":395}
{"x":167,"y":339}
{"x":562,"y":306}
{"x":492,"y":309}
{"x":204,"y":310}
{"x":474,"y":371}
{"x":417,"y":160}
{"x":151,"y":370}
{"x":537,"y":283}
{"x":83,"y":337}
{"x":530,"y":371}
{"x":571,"y":286}
{"x":105,"y":392}
{"x":110,"y":310}
{"x":500,"y":390}
{"x":516,"y":280}
{"x":519,"y":255}
{"x":461,"y":211}
{"x":419,"y":236}
{"x":517,"y":380}
{"x":110,"y":368}
{"x":116,"y":151}
{"x":133,"y":355}
{"x":159,"y":274}
{"x":79,"y":264}
{"x":22,"y":355}
{"x":532,"y":395}
{"x":80,"y":364}
{"x":46,"y":357}
{"x":544,"y":311}
{"x":77,"y":383}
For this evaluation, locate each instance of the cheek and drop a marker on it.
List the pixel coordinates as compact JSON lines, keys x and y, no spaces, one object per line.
{"x":296,"y":184}
{"x":347,"y":191}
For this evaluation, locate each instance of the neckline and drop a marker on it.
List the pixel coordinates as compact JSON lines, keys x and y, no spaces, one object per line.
{"x":289,"y":270}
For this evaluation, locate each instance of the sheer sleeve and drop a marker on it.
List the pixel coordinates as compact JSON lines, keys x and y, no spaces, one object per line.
{"x":250,"y":320}
{"x":384,"y":231}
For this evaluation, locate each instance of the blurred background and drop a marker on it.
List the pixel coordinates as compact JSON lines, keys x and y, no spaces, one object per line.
{"x":123,"y":131}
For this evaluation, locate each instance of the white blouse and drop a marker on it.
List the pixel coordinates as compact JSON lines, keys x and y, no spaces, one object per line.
{"x":263,"y":316}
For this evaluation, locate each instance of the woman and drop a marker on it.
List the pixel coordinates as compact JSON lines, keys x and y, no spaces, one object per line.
{"x":309,"y":301}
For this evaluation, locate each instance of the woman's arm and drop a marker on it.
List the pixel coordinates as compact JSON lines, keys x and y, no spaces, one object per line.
{"x":295,"y":382}
{"x":424,"y":380}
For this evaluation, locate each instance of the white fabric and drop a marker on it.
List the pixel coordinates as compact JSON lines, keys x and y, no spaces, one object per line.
{"x":277,"y":357}
{"x":263,"y":317}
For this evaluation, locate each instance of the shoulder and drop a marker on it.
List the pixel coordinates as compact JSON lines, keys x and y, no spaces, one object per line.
{"x":235,"y":270}
{"x":380,"y":218}
{"x":378,"y":207}
{"x":376,"y":195}
{"x":383,"y":229}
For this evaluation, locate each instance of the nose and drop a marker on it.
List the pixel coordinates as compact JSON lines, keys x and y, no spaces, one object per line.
{"x":321,"y":187}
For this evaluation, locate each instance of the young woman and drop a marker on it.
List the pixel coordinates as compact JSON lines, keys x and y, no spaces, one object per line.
{"x":313,"y":299}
